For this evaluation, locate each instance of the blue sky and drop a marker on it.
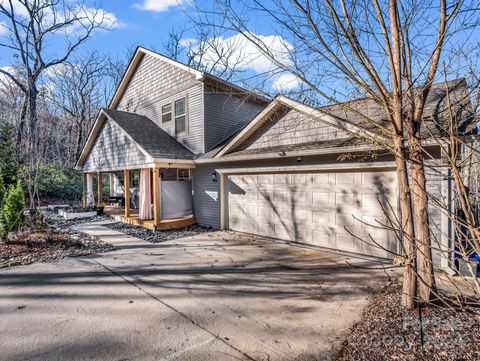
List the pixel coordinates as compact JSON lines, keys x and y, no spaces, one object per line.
{"x":148,"y":23}
{"x":136,"y":24}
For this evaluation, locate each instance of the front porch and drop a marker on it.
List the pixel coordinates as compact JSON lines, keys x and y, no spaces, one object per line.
{"x":155,"y":198}
{"x":118,"y":214}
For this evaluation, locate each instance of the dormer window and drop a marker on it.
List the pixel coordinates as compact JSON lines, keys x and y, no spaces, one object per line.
{"x":166,"y":112}
{"x":180,"y":116}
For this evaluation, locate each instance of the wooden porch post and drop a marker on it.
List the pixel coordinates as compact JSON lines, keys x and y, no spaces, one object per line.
{"x":126,"y":191}
{"x":157,"y":198}
{"x":99,"y":189}
{"x":84,"y":197}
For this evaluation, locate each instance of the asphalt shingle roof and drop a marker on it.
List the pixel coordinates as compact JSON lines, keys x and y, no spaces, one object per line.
{"x":148,"y":135}
{"x":436,"y":115}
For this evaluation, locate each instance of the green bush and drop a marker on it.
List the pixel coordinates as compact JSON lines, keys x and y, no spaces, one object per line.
{"x":60,"y":183}
{"x":2,"y":190}
{"x":9,"y":165}
{"x":11,"y":215}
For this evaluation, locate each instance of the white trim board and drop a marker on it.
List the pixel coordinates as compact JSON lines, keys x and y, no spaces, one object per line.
{"x":337,"y":167}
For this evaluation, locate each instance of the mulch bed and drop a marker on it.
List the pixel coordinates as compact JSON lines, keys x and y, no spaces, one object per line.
{"x":389,"y":332}
{"x":159,"y":235}
{"x":46,"y":244}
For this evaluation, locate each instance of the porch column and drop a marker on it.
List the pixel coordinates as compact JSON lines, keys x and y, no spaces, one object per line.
{"x":84,"y":194}
{"x":89,"y":196}
{"x":111,"y":184}
{"x":99,"y":189}
{"x":126,"y":191}
{"x":157,"y":197}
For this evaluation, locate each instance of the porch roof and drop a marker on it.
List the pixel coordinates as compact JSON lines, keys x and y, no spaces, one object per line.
{"x":149,"y":136}
{"x":149,"y":140}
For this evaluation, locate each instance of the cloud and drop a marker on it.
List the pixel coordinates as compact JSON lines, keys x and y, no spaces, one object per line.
{"x":237,"y":52}
{"x":86,"y":14}
{"x":18,"y":8}
{"x":157,"y":6}
{"x":285,"y":82}
{"x":187,"y":42}
{"x":96,"y":15}
{"x":3,"y":28}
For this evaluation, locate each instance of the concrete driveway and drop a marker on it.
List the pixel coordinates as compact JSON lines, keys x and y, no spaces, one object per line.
{"x":221,"y":296}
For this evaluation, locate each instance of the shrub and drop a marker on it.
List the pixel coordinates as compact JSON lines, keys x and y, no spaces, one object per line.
{"x":60,"y":183}
{"x":2,"y":190}
{"x":9,"y":165}
{"x":11,"y":216}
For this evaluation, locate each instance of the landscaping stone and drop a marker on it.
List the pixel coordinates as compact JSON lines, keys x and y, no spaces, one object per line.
{"x":159,"y":235}
{"x":74,"y":215}
{"x":46,"y":245}
{"x":54,"y":239}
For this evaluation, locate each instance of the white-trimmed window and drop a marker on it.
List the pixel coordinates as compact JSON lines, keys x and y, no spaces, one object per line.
{"x":183,"y":174}
{"x":167,"y":112}
{"x":180,"y":115}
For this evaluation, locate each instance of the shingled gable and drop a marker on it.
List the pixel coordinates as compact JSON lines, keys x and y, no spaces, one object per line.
{"x":140,"y":52}
{"x":283,"y":103}
{"x":356,"y":128}
{"x":150,"y":139}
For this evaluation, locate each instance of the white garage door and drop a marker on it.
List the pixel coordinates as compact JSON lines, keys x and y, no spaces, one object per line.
{"x":325,"y":209}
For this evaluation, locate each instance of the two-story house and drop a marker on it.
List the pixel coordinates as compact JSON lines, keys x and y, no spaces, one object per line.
{"x":184,"y":146}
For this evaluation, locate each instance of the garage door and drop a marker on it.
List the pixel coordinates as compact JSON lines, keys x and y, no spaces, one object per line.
{"x":324,"y":209}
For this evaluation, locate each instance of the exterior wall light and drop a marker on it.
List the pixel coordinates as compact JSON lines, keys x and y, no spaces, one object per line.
{"x":214,"y":177}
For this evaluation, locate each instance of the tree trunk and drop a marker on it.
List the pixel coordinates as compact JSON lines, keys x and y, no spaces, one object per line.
{"x":79,"y":141}
{"x":32,"y":143}
{"x":396,"y":107}
{"x":409,"y":289}
{"x":420,"y":214}
{"x":21,"y":122}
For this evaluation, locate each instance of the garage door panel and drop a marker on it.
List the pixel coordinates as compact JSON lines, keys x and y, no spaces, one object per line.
{"x":250,"y":225}
{"x":325,"y":237}
{"x":321,"y":198}
{"x":265,"y":228}
{"x":282,"y":232}
{"x":250,"y":210}
{"x":322,"y":209}
{"x":303,"y":235}
{"x":281,"y":179}
{"x":300,"y":179}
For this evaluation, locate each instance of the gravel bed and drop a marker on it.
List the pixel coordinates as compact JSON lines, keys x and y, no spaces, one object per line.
{"x":48,"y":244}
{"x":389,"y":332}
{"x":158,"y":236}
{"x":54,"y":238}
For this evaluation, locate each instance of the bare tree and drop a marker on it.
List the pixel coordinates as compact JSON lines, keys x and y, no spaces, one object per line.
{"x":79,"y":89}
{"x":388,"y":52}
{"x":32,"y":25}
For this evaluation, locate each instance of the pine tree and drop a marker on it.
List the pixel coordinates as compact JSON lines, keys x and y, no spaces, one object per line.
{"x":2,"y":191}
{"x":11,"y":216}
{"x":9,"y":166}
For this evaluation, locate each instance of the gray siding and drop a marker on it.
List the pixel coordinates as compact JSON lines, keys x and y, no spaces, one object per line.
{"x":207,"y":193}
{"x":291,"y":128}
{"x":156,"y":83}
{"x":113,"y":150}
{"x":225,"y":114}
{"x":206,"y":197}
{"x":207,"y":209}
